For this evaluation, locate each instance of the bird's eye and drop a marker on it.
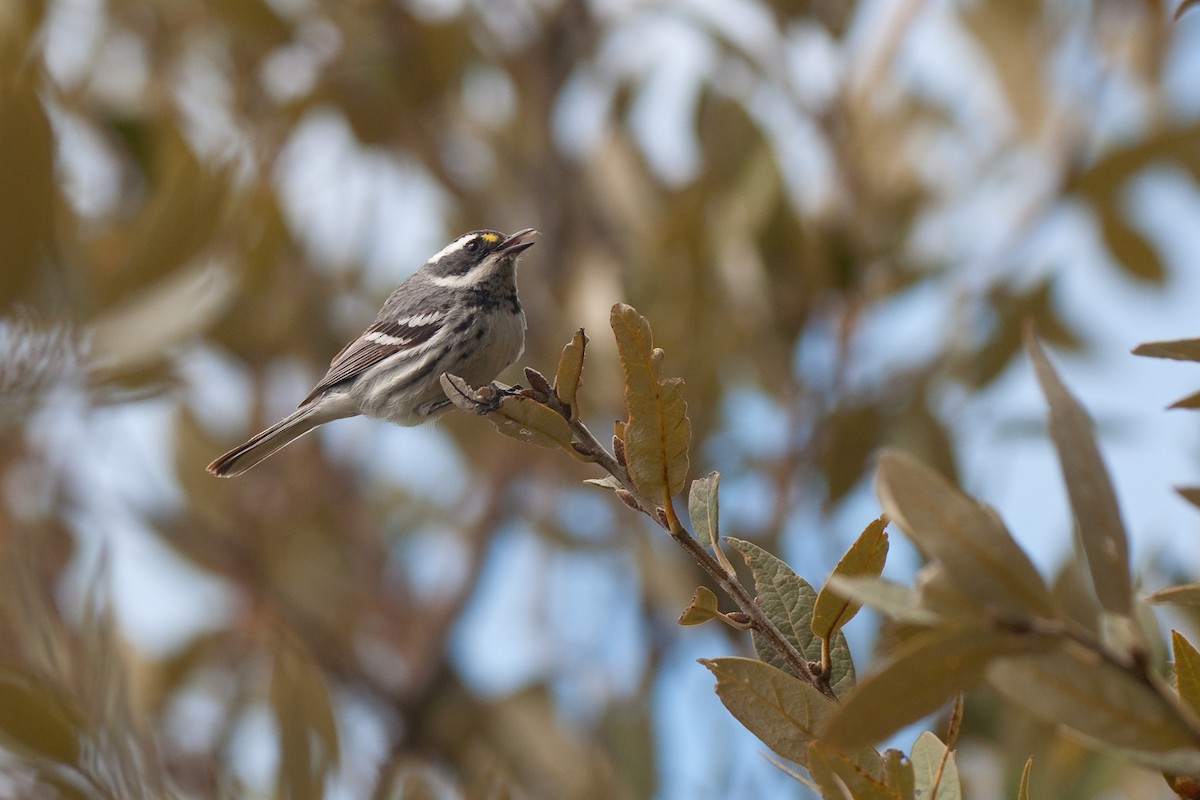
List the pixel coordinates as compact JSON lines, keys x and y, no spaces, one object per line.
{"x":472,"y":245}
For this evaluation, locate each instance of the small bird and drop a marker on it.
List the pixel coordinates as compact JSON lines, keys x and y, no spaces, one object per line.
{"x":459,"y":313}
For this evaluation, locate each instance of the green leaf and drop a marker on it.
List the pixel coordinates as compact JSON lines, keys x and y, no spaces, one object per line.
{"x":865,"y":557}
{"x":658,"y":431}
{"x":787,"y":600}
{"x":980,"y":556}
{"x":1093,"y":500}
{"x":702,"y":608}
{"x":1187,"y":671}
{"x":569,"y":374}
{"x":1072,"y":686}
{"x":1178,"y":349}
{"x":704,"y":508}
{"x":924,"y":672}
{"x":935,"y":769}
{"x":783,"y":711}
{"x":1185,"y":595}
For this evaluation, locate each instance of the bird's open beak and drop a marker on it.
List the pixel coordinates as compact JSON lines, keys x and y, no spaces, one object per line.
{"x":521,"y":240}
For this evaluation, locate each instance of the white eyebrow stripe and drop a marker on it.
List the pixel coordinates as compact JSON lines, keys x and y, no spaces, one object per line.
{"x":453,"y":247}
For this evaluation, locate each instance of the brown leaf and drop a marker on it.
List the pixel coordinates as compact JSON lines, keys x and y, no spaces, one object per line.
{"x":658,"y":432}
{"x":569,"y":374}
{"x":1093,"y":500}
{"x":865,"y":557}
{"x":1185,"y":595}
{"x":1187,"y":671}
{"x":980,"y":556}
{"x":1069,"y":685}
{"x":702,"y":608}
{"x":924,"y":672}
{"x":1177,"y":349}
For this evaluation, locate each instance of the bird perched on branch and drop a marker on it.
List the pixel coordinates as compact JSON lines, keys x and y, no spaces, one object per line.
{"x":459,"y":313}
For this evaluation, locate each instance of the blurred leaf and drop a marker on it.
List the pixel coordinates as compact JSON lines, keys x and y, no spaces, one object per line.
{"x":850,"y":435}
{"x":1023,"y":790}
{"x":1184,"y":6}
{"x":1187,"y":671}
{"x":787,"y":600}
{"x":569,"y":374}
{"x":1178,"y":349}
{"x":1128,"y":246}
{"x":27,"y":199}
{"x":702,"y":608}
{"x":980,"y":556}
{"x":142,"y":330}
{"x":308,"y":750}
{"x":885,"y":596}
{"x":1186,"y":595}
{"x":658,"y":432}
{"x":865,"y":557}
{"x":1092,"y":497}
{"x":36,"y":722}
{"x":919,"y":677}
{"x":935,"y":769}
{"x":1068,"y":685}
{"x":1190,"y":493}
{"x":840,"y":775}
{"x":1191,"y":401}
{"x":1014,"y":37}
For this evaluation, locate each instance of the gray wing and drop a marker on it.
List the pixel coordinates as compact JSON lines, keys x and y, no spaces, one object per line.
{"x":381,"y":340}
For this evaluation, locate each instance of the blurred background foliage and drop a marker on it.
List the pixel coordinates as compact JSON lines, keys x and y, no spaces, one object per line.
{"x":836,"y":215}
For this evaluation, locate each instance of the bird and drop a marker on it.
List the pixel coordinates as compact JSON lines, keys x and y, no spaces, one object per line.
{"x":459,"y":313}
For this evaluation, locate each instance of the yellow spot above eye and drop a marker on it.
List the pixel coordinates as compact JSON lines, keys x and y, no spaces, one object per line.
{"x":490,"y":238}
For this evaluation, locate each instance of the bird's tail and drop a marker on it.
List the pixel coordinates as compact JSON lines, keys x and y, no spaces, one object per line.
{"x":274,"y":438}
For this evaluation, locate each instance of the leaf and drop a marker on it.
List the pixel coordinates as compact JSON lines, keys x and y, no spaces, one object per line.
{"x":888,"y":597}
{"x":521,"y":418}
{"x":1192,"y":401}
{"x":1093,"y":500}
{"x":308,"y":742}
{"x":900,"y":775}
{"x":27,"y":175}
{"x":865,"y":557}
{"x":1023,"y":790}
{"x":783,"y":711}
{"x":1186,"y":595}
{"x":1190,"y":493}
{"x":980,"y":556}
{"x":569,"y":374}
{"x":918,"y":678}
{"x":658,"y":432}
{"x":702,"y":608}
{"x":704,"y":508}
{"x":1071,"y":686}
{"x":838,"y":774}
{"x":35,"y":722}
{"x":935,"y":769}
{"x":607,"y":482}
{"x":1178,"y":349}
{"x":1184,"y":6}
{"x":787,"y":600}
{"x":1187,"y":671}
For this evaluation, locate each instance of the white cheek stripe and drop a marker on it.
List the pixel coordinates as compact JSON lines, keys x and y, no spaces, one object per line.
{"x":469,"y":278}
